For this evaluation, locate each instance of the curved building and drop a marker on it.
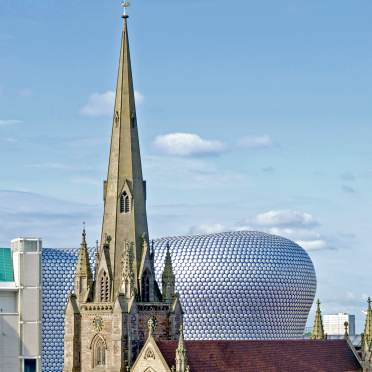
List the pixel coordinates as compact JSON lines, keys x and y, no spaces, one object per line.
{"x":237,"y":285}
{"x":241,"y":285}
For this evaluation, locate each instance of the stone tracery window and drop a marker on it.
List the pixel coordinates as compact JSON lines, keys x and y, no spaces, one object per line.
{"x":99,"y":351}
{"x":124,"y":203}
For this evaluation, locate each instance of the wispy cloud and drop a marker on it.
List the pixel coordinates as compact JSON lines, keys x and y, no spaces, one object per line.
{"x":257,"y":142}
{"x":313,"y":245}
{"x":102,"y":104}
{"x":294,"y":225}
{"x":58,"y":222}
{"x":348,"y":176}
{"x":195,"y":173}
{"x":9,"y":122}
{"x":348,"y":189}
{"x":208,"y":229}
{"x":289,"y":218}
{"x":187,"y":144}
{"x":58,"y":166}
{"x":268,"y":169}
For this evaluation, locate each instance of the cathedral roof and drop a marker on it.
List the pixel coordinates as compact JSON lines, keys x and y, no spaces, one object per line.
{"x":268,"y":356}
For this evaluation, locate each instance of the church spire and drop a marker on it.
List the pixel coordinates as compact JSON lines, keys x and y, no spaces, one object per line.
{"x":318,"y":330}
{"x":367,"y":336}
{"x":181,"y":353}
{"x":168,"y":278}
{"x":83,"y":273}
{"x":125,"y":219}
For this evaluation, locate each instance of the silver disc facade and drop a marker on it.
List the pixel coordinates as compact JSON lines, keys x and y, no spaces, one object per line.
{"x":241,"y":285}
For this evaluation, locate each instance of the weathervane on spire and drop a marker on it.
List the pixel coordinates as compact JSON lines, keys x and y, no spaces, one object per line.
{"x":125,"y":5}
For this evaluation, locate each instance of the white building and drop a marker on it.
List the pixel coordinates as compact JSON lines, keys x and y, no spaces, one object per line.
{"x":334,"y":324}
{"x":20,"y":306}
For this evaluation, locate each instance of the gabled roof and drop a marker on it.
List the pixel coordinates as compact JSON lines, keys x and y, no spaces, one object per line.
{"x":267,"y":356}
{"x":6,"y":265}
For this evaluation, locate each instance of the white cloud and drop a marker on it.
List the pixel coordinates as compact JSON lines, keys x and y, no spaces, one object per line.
{"x":5,"y":123}
{"x":187,"y":144}
{"x":139,"y":97}
{"x":99,"y":104}
{"x":102,"y":104}
{"x":285,"y":218}
{"x":208,"y":229}
{"x":313,"y":245}
{"x":264,"y":141}
{"x":293,"y":225}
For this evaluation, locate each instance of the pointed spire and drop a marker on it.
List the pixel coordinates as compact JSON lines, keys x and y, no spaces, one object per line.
{"x":128,"y":278}
{"x":83,"y":266}
{"x":168,"y":278}
{"x":318,"y":329}
{"x":181,"y":353}
{"x":367,"y":336}
{"x":83,"y":273}
{"x":124,"y":217}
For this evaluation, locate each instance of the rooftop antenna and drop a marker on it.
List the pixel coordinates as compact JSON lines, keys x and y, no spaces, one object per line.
{"x":125,"y":5}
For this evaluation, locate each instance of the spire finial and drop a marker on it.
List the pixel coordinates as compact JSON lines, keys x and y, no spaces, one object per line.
{"x":151,"y":324}
{"x":346,"y":325}
{"x":84,"y":234}
{"x":125,"y":5}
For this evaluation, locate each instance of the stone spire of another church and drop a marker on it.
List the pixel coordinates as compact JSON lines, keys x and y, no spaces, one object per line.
{"x":181,"y":353}
{"x":318,"y":329}
{"x":168,"y":278}
{"x":367,"y":336}
{"x":83,"y":273}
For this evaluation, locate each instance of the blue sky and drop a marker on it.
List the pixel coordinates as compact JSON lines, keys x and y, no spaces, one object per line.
{"x":252,"y":115}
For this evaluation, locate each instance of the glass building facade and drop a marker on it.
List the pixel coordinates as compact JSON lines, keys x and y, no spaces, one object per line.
{"x":235,"y":285}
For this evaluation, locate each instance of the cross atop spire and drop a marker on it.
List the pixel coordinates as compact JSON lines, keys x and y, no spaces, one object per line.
{"x":125,"y":5}
{"x":84,"y":234}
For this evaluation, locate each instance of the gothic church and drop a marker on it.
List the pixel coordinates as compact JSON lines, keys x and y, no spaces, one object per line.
{"x":107,"y":315}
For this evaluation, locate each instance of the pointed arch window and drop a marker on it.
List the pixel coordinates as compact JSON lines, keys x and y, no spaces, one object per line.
{"x":146,"y":286}
{"x":104,"y":288}
{"x":99,"y":352}
{"x":124,"y":203}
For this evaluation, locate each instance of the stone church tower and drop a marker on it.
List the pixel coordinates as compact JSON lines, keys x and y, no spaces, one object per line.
{"x":107,"y":315}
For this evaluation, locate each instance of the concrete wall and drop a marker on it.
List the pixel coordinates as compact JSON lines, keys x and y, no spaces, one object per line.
{"x":8,"y":301}
{"x":27,"y":275}
{"x":9,"y":343}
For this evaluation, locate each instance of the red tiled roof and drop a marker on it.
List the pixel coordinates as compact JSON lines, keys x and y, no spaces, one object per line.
{"x":265,"y":356}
